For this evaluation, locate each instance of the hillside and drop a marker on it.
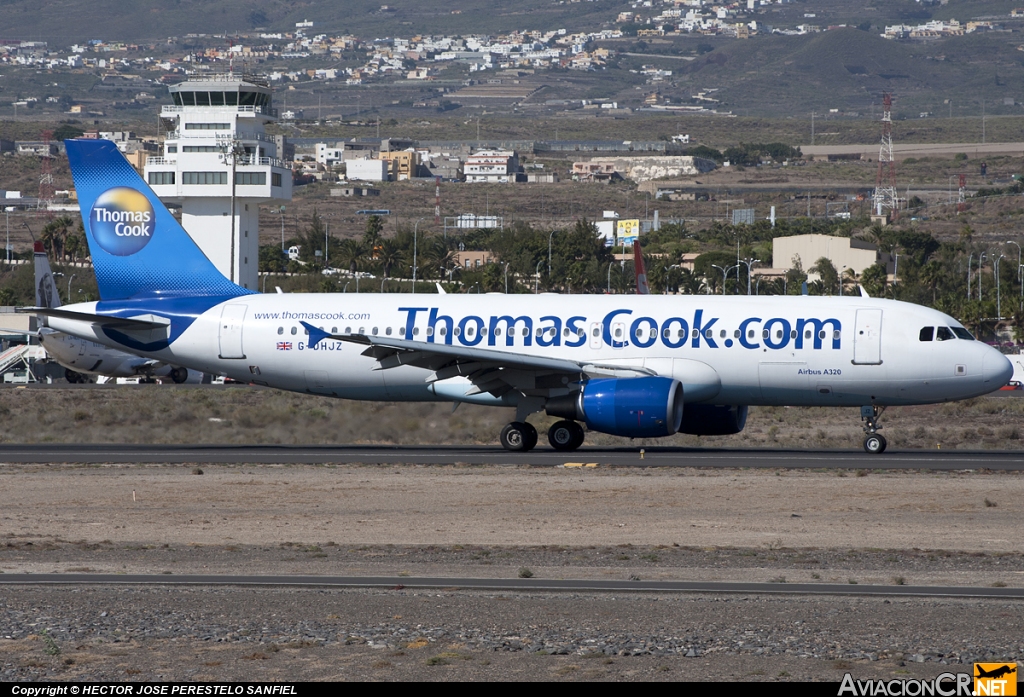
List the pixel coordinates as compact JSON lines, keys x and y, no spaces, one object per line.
{"x":847,"y":69}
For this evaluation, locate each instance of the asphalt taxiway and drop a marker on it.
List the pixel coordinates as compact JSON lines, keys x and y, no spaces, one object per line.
{"x":950,"y":460}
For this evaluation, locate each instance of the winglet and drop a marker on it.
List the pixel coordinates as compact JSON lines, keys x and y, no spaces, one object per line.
{"x":316,"y":335}
{"x":440,"y":290}
{"x":863,"y":293}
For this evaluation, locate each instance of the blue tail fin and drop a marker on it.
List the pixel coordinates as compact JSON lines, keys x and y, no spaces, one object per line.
{"x":138,"y":249}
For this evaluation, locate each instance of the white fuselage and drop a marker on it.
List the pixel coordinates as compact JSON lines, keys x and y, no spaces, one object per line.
{"x":767,"y":350}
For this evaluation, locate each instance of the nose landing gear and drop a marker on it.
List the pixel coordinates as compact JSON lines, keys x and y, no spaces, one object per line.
{"x":874,"y":442}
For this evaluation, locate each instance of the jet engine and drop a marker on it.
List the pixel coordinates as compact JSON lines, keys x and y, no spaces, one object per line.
{"x":646,"y":407}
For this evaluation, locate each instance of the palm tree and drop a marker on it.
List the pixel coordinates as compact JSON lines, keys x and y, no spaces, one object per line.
{"x":389,"y":255}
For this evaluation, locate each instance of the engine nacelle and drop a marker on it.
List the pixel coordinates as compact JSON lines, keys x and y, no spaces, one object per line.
{"x":647,"y":407}
{"x":713,"y":419}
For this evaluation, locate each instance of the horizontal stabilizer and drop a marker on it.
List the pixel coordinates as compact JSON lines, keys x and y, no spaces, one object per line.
{"x":106,"y":321}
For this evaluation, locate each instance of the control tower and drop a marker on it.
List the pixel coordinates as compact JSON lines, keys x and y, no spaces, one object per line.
{"x":220,"y":165}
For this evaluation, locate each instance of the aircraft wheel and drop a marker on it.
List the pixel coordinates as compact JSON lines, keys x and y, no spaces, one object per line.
{"x":515,"y":437}
{"x":874,"y":444}
{"x":73,"y":377}
{"x":565,"y":435}
{"x":179,"y":374}
{"x":530,"y":433}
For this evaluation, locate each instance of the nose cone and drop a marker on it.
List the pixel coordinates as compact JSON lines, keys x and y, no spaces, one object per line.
{"x":996,"y":369}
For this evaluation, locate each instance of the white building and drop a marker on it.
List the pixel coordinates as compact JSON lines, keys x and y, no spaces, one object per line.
{"x":328,"y":155}
{"x":367,"y":170}
{"x":492,"y":167}
{"x":220,"y":165}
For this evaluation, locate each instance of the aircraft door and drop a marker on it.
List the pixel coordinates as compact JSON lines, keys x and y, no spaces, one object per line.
{"x":231,"y":320}
{"x":595,"y":335}
{"x":82,"y":344}
{"x":867,"y":338}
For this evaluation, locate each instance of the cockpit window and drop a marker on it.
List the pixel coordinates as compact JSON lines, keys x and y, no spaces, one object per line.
{"x":962,"y":333}
{"x":944,"y":334}
{"x":927,"y":333}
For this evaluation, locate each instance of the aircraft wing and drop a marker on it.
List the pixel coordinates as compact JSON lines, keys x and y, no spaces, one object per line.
{"x":490,"y":370}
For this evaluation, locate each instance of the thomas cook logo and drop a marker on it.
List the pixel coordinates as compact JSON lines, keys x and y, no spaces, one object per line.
{"x":122,"y":221}
{"x":995,"y":679}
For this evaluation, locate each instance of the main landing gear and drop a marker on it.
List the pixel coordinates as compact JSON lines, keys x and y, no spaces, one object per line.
{"x":874,"y":442}
{"x":520,"y":437}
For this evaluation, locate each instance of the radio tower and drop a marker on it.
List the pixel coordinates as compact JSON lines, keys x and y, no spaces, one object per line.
{"x":885,"y":195}
{"x":45,"y":174}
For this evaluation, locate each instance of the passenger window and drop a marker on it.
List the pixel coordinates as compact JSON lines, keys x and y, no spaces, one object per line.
{"x":415,"y":331}
{"x":696,"y":333}
{"x":721,"y":334}
{"x":362,"y":330}
{"x":295,"y":331}
{"x":430,"y":331}
{"x":639,"y":333}
{"x":388,"y":331}
{"x":280,"y":330}
{"x":597,"y":331}
{"x":835,"y":334}
{"x":708,"y":333}
{"x":401,"y":331}
{"x":680,"y":334}
{"x":666,"y":333}
{"x":348,"y":330}
{"x":618,"y":333}
{"x":765,"y":333}
{"x":778,"y":333}
{"x":807,"y":334}
{"x":580,"y":333}
{"x":944,"y":334}
{"x":750,"y":333}
{"x":736,"y":334}
{"x":469,"y":331}
{"x":497,"y":331}
{"x":375,"y":331}
{"x":526,"y":331}
{"x":443,"y":331}
{"x":653,"y":333}
{"x":455,"y":332}
{"x":792,"y":334}
{"x":821,"y":334}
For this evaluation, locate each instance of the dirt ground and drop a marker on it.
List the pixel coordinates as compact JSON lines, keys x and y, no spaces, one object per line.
{"x":777,"y":526}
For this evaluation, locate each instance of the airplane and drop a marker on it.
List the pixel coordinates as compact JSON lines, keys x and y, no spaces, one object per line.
{"x":640,"y":366}
{"x":82,"y":358}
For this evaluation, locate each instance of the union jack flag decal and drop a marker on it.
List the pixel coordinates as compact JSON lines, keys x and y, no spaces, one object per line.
{"x":284,"y":346}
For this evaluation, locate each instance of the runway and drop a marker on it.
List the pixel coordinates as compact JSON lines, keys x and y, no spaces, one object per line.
{"x":518,"y":584}
{"x":937,"y":460}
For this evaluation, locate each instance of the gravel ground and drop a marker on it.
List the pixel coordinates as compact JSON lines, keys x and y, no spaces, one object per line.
{"x":262,"y":634}
{"x":686,"y":524}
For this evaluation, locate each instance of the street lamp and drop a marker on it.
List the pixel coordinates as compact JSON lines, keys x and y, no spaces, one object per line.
{"x":981,"y":259}
{"x":549,"y":253}
{"x":970,"y":260}
{"x":725,"y":274}
{"x":281,"y":211}
{"x":68,"y":296}
{"x":415,"y":250}
{"x":506,"y":278}
{"x":995,"y":271}
{"x":748,"y":262}
{"x":1018,"y":271}
{"x":536,"y":277}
